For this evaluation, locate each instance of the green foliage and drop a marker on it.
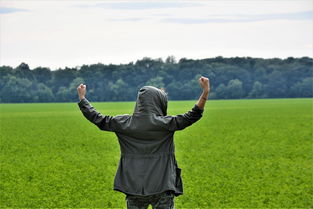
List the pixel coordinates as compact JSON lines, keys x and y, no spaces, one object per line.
{"x":257,"y":90}
{"x":238,"y":77}
{"x":234,"y":89}
{"x":157,"y":82}
{"x":241,"y":154}
{"x":43,"y":93}
{"x":42,"y":75}
{"x":118,"y":90}
{"x":62,"y":94}
{"x":277,"y":85}
{"x":303,"y":88}
{"x":17,"y":90}
{"x":221,"y":91}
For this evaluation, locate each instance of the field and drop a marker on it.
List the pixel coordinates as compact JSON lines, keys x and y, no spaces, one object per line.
{"x":241,"y":154}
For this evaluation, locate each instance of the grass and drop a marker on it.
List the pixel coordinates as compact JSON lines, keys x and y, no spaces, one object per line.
{"x":241,"y":154}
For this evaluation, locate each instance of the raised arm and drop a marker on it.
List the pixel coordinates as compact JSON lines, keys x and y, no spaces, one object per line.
{"x":104,"y":122}
{"x":179,"y":122}
{"x":205,"y":85}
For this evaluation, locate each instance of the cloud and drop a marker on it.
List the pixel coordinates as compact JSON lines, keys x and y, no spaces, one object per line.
{"x":6,"y":10}
{"x":305,"y":15}
{"x":142,"y":5}
{"x":134,"y":19}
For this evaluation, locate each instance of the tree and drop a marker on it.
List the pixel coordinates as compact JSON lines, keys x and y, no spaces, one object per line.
{"x":156,"y":82}
{"x":17,"y":90}
{"x":303,"y":88}
{"x":174,"y":90}
{"x":119,"y":90}
{"x":276,"y":86}
{"x":23,"y":71}
{"x":5,"y":73}
{"x":221,"y":91}
{"x":191,"y":88}
{"x":235,"y":77}
{"x":257,"y":90}
{"x":62,"y":78}
{"x":42,"y":74}
{"x":63,"y":94}
{"x":43,"y":93}
{"x":170,"y":59}
{"x":234,"y":89}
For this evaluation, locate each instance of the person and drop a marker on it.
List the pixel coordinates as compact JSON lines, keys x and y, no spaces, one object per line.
{"x":148,"y":172}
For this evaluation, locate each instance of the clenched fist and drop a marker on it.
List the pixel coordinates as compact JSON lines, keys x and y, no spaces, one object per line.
{"x":81,"y":90}
{"x":204,"y":83}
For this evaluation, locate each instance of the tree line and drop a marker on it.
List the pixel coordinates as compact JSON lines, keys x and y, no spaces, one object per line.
{"x":230,"y":78}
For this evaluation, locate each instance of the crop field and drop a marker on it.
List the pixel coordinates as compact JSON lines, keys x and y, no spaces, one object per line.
{"x":241,"y":154}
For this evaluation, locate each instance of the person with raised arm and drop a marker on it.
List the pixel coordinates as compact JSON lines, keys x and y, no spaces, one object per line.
{"x":148,"y":172}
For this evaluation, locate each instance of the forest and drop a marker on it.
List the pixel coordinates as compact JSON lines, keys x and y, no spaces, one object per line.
{"x":230,"y":78}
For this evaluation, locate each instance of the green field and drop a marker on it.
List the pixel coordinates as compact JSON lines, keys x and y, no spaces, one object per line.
{"x":241,"y":154}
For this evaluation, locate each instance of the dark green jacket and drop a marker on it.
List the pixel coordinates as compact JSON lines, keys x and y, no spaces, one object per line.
{"x":147,"y":164}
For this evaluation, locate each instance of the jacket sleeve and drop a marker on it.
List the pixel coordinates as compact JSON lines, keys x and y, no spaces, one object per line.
{"x":179,"y":122}
{"x":104,"y":122}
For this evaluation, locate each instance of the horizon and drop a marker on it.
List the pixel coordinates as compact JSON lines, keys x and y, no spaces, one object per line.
{"x":134,"y":62}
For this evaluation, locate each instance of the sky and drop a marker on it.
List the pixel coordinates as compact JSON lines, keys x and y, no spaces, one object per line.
{"x":57,"y":34}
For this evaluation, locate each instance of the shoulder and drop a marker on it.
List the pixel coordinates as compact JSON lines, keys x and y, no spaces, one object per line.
{"x":164,"y":118}
{"x":164,"y":121}
{"x":123,"y":116}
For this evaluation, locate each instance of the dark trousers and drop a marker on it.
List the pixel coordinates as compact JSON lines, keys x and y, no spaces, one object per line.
{"x":163,"y":200}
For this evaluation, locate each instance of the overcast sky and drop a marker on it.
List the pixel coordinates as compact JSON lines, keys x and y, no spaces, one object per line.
{"x":72,"y":33}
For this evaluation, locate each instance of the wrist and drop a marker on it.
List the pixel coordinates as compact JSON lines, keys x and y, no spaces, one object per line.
{"x":205,"y":91}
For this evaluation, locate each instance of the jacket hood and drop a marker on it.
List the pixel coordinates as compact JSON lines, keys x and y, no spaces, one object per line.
{"x":151,"y":100}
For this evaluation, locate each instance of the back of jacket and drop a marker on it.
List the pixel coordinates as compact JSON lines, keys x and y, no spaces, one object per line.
{"x":147,"y":164}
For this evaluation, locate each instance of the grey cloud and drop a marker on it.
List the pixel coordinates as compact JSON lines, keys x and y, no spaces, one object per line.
{"x":134,"y":19}
{"x":235,"y":18}
{"x":305,"y":15}
{"x":142,"y":5}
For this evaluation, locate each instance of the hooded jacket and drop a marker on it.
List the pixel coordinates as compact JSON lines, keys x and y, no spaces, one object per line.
{"x":147,"y":162}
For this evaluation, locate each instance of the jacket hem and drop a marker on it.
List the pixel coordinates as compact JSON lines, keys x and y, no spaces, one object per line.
{"x":119,"y":189}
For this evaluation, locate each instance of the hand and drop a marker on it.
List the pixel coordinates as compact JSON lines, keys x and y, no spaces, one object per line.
{"x":81,"y":90}
{"x":204,"y":83}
